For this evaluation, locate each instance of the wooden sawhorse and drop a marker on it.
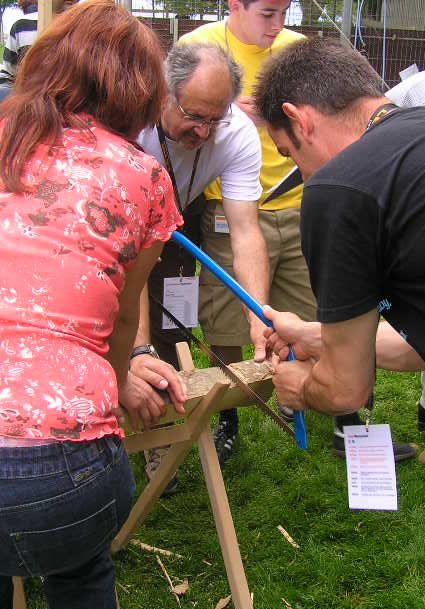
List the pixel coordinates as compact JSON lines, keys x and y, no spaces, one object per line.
{"x":209,"y":391}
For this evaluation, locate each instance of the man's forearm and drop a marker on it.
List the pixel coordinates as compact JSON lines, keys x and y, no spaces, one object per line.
{"x":394,"y":353}
{"x":250,"y":256}
{"x":251,"y":266}
{"x":342,"y":380}
{"x":323,"y":395}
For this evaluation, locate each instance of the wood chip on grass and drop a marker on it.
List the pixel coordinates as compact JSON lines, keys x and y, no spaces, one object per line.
{"x":182,"y":588}
{"x":167,"y":577}
{"x":288,"y":537}
{"x":154,"y":550}
{"x":223,"y":602}
{"x":126,"y":590}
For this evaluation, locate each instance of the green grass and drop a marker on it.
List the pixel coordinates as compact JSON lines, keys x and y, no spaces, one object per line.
{"x":346,"y":560}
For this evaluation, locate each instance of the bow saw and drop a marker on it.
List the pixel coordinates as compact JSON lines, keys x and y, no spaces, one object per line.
{"x":255,"y":307}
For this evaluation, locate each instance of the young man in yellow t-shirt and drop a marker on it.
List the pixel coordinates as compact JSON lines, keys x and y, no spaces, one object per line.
{"x":253,"y":32}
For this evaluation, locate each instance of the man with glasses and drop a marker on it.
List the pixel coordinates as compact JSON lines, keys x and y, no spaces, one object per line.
{"x":252,"y":33}
{"x":209,"y":123}
{"x":201,"y":137}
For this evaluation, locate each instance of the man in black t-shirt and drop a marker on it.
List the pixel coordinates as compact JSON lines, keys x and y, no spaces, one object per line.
{"x":362,"y":224}
{"x":410,"y":93}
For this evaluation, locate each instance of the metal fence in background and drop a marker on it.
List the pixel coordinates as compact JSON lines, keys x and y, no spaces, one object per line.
{"x":390,"y":33}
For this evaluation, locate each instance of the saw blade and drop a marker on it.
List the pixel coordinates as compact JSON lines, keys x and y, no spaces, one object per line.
{"x":256,"y":399}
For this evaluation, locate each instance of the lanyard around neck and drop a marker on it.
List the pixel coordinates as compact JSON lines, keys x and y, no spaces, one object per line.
{"x":169,"y":167}
{"x":380,"y":113}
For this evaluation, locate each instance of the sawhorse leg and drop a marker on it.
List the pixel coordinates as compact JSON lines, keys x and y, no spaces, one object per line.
{"x":220,"y":505}
{"x":198,"y":420}
{"x":19,"y":594}
{"x":224,"y":522}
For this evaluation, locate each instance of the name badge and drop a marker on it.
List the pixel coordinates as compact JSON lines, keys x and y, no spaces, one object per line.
{"x":181,"y":299}
{"x":372,"y":483}
{"x":220,"y":224}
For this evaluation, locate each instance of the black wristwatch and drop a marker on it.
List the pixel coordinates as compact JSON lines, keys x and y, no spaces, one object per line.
{"x":144,"y":350}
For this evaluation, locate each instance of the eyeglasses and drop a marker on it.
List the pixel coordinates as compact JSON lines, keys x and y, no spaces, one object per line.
{"x":199,"y":120}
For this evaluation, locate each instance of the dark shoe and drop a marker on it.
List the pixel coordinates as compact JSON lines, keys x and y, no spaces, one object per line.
{"x":286,"y":413}
{"x":421,"y":417}
{"x":402,"y":452}
{"x":171,"y":488}
{"x":224,"y":437}
{"x":153,"y":458}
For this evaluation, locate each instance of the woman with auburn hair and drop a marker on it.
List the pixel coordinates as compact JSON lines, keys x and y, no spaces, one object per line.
{"x":83,"y":217}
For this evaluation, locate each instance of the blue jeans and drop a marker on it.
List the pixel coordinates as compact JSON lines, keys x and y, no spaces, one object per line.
{"x":61,"y":505}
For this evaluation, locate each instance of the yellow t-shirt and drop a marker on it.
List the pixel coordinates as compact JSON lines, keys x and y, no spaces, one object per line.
{"x":251,"y":57}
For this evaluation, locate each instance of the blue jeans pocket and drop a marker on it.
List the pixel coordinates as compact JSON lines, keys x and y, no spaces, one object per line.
{"x":44,"y":552}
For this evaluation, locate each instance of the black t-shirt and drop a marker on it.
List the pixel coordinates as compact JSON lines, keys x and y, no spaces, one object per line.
{"x":363,"y":227}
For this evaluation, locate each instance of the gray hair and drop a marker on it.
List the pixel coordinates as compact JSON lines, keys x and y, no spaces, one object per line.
{"x":184,"y":59}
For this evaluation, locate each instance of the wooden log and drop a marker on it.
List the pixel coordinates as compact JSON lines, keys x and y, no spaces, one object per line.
{"x":199,"y":381}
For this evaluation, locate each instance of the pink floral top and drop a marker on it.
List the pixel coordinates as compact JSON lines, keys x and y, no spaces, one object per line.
{"x":64,"y":250}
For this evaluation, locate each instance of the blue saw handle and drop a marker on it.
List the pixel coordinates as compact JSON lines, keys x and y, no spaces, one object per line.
{"x":251,"y":304}
{"x":299,"y":421}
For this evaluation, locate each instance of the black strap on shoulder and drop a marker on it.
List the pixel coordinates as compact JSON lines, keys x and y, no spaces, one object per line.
{"x":292,"y":180}
{"x":169,"y":167}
